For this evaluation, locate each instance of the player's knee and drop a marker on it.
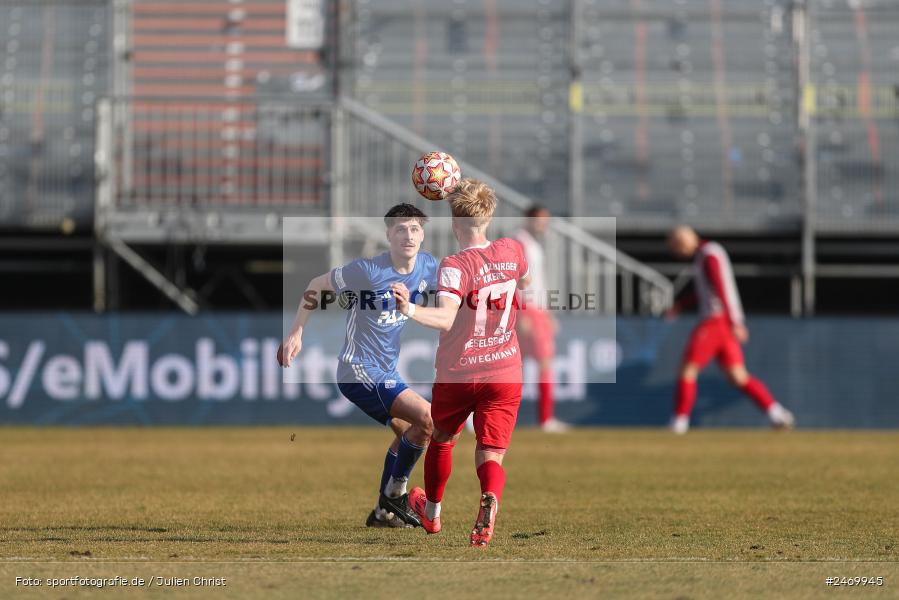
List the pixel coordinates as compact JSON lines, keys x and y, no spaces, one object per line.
{"x":422,"y":419}
{"x":483,"y":454}
{"x":738,"y":376}
{"x":546,"y":364}
{"x":399,"y":426}
{"x":421,"y":431}
{"x":689,"y":372}
{"x":442,"y":437}
{"x":427,"y":425}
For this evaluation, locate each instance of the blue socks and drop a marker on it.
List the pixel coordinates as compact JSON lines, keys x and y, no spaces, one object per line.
{"x":406,"y":457}
{"x":389,"y":459}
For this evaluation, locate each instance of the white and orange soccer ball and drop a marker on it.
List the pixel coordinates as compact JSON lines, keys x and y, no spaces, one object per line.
{"x":435,"y":174}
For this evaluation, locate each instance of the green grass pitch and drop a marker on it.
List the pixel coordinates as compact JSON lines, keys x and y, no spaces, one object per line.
{"x":598,"y":512}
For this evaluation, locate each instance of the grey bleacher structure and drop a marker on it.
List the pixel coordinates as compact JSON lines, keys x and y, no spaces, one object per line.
{"x":855,"y":65}
{"x":54,"y":66}
{"x":650,"y":111}
{"x":227,"y":165}
{"x":661,"y":101}
{"x":197,"y":132}
{"x":490,"y":85}
{"x":688,"y":110}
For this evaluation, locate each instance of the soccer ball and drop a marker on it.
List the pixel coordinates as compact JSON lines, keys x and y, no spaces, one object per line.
{"x":435,"y":174}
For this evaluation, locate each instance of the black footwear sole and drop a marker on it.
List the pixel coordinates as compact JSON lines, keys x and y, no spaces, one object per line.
{"x":393,"y":523}
{"x":400,"y":507}
{"x":374,"y":521}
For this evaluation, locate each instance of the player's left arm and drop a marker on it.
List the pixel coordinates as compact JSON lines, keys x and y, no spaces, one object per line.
{"x":439,"y":317}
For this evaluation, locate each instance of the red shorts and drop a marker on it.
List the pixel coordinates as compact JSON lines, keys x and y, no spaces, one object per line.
{"x":536,"y":338}
{"x":494,"y":404}
{"x":713,"y":338}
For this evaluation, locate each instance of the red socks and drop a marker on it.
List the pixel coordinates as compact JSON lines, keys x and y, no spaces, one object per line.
{"x":545,"y":400}
{"x":685,"y":397}
{"x":493,"y":478}
{"x":756,"y":390}
{"x":438,"y":466}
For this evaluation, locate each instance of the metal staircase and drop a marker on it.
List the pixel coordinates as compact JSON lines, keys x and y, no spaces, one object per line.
{"x":365,"y":163}
{"x":372,"y":149}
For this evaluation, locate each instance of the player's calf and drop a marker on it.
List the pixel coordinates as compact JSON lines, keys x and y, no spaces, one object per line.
{"x":415,"y":410}
{"x":394,"y":498}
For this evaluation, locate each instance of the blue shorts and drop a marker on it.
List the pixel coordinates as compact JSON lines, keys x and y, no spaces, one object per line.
{"x":370,"y":389}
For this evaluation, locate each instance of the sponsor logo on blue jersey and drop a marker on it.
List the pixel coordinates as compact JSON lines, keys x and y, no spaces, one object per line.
{"x":373,"y":325}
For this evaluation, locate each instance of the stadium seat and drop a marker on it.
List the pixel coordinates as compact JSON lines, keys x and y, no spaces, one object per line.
{"x":53,"y":69}
{"x":202,"y":134}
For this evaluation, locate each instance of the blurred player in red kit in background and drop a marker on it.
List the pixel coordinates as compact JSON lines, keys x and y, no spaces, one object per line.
{"x":478,"y":358}
{"x":536,"y":325}
{"x":720,"y":331}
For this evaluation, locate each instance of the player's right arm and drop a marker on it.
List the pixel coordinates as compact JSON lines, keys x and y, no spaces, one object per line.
{"x":525,"y":281}
{"x":439,"y":317}
{"x":452,"y":279}
{"x":351,"y":278}
{"x":293,"y":342}
{"x":524,"y":268}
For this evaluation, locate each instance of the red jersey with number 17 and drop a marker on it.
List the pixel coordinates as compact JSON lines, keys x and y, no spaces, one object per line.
{"x":482,"y":341}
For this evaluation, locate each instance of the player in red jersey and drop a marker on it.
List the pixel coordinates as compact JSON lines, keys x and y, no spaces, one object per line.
{"x":478,"y":358}
{"x":536,"y":326}
{"x":719,"y":333}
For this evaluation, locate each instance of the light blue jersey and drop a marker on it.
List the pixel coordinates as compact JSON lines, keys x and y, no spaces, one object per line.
{"x":373,"y":325}
{"x":366,"y":370}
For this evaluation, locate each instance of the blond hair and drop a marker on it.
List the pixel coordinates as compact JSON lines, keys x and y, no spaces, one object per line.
{"x":473,"y":201}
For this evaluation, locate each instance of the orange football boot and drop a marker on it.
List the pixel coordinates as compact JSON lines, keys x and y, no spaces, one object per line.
{"x":417,"y":502}
{"x":483,"y":527}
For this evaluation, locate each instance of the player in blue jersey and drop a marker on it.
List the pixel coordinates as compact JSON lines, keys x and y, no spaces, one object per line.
{"x":367,"y":364}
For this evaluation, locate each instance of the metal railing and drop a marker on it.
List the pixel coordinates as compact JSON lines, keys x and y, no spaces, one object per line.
{"x":684,"y":111}
{"x":54,"y":66}
{"x":169,"y":153}
{"x":377,"y":151}
{"x":229,"y":172}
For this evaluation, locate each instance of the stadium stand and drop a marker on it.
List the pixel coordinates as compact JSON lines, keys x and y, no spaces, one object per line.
{"x":661,"y":100}
{"x":854,"y":62}
{"x":488,"y":81}
{"x":689,"y":113}
{"x":54,"y":68}
{"x":689,"y":107}
{"x":206,"y":126}
{"x":201,"y":132}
